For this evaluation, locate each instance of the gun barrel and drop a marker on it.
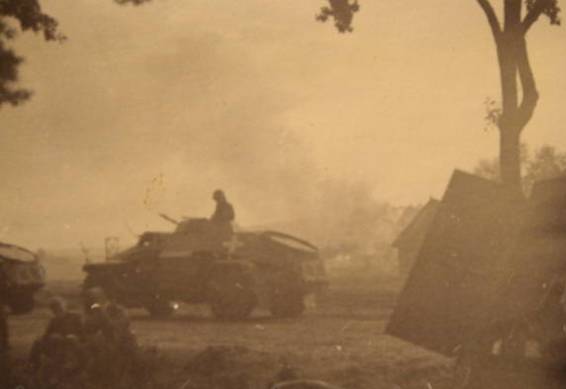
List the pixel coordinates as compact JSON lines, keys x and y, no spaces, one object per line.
{"x":169,"y":219}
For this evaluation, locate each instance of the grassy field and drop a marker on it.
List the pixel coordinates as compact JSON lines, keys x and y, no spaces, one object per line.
{"x":340,"y":339}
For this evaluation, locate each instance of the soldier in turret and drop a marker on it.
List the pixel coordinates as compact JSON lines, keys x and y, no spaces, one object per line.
{"x":223,"y":215}
{"x":224,"y":212}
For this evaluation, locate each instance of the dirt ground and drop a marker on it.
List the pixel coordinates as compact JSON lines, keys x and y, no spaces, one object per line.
{"x":340,"y":339}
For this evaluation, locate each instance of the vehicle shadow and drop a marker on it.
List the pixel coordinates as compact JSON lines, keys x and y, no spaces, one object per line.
{"x":261,"y":318}
{"x":204,"y":318}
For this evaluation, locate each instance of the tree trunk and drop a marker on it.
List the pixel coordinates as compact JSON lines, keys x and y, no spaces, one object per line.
{"x":516,"y":74}
{"x":509,"y":126}
{"x":510,"y":157}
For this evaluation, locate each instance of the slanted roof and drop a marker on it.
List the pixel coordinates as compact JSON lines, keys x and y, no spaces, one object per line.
{"x":417,"y":228}
{"x":452,"y":292}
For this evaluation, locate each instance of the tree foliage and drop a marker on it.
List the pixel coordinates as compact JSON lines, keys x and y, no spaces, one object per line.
{"x":22,"y":15}
{"x":343,"y":13}
{"x":549,"y":8}
{"x":546,"y":162}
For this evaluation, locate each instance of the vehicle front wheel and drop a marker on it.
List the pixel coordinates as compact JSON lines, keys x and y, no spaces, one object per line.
{"x":231,"y":299}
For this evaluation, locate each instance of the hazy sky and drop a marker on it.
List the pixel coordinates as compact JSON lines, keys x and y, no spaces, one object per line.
{"x":148,"y":109}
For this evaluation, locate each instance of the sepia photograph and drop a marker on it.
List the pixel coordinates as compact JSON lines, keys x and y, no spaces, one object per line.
{"x":282,"y":194}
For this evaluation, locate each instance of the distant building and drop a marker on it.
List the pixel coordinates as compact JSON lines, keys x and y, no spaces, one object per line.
{"x":408,"y":243}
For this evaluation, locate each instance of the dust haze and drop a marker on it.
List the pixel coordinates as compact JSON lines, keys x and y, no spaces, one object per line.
{"x":383,"y":237}
{"x":149,"y":109}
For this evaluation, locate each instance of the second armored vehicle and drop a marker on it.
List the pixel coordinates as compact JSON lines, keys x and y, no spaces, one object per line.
{"x":21,"y":275}
{"x":202,"y":262}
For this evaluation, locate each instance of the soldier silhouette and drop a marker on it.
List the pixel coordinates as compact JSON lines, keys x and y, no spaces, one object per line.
{"x":223,"y":215}
{"x":224,"y":212}
{"x":62,"y":335}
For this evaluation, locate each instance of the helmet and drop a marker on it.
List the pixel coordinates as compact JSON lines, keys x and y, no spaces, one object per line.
{"x":218,"y":195}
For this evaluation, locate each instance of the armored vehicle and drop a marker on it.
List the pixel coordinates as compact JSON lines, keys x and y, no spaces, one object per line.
{"x":203,"y":262}
{"x":21,"y":275}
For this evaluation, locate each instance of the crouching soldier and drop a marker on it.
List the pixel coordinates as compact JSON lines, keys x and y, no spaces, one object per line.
{"x":107,"y":320}
{"x":58,"y":355}
{"x":124,"y":350}
{"x":121,"y":332}
{"x":111,"y":346}
{"x":63,"y":325}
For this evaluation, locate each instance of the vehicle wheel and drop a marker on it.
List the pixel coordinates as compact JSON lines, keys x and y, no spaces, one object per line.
{"x":231,"y":298}
{"x":287,"y":303}
{"x":160,"y":309}
{"x":22,"y":304}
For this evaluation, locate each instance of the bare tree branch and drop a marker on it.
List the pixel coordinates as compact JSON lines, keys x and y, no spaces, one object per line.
{"x":491,"y":17}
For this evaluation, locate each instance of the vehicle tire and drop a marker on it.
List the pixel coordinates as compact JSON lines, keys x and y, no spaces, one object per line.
{"x":287,"y":303}
{"x":22,"y":304}
{"x":287,"y":295}
{"x":231,"y":297}
{"x":160,"y":309}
